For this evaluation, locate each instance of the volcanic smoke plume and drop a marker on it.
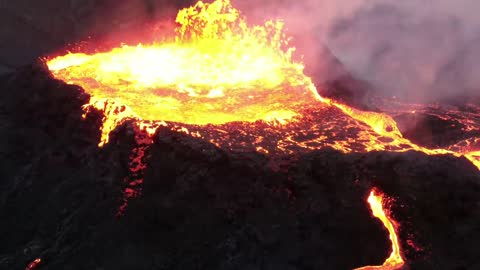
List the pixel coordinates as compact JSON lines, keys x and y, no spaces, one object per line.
{"x":209,"y":148}
{"x":414,"y":50}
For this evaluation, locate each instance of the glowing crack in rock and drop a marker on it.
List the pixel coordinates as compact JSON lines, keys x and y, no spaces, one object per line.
{"x":143,"y":132}
{"x":395,"y":260}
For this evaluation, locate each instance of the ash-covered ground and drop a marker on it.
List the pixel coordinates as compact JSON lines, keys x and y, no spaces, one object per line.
{"x":204,"y":207}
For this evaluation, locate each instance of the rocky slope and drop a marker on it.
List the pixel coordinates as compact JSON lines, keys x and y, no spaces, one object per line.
{"x":203,"y":207}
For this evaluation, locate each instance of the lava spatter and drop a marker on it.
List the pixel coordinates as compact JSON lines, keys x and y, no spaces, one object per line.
{"x":34,"y":264}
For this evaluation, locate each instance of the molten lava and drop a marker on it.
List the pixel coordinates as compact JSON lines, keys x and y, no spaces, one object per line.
{"x":34,"y":264}
{"x":395,"y":260}
{"x":216,"y":70}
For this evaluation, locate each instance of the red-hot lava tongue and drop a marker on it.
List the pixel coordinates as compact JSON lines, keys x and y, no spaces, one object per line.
{"x":395,"y":260}
{"x":235,"y":86}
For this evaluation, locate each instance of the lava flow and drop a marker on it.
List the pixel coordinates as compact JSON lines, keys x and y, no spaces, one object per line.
{"x":395,"y":260}
{"x":218,"y":70}
{"x":236,"y":86}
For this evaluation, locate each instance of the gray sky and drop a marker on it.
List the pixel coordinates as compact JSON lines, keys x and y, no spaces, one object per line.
{"x":417,"y":49}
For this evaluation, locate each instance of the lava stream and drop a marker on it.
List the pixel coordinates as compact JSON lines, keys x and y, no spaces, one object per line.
{"x":395,"y":260}
{"x":133,"y":182}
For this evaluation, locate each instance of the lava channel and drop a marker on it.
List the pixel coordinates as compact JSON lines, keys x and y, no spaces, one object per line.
{"x":395,"y":260}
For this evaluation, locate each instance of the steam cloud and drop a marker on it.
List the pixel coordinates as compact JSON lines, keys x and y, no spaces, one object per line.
{"x":424,"y":50}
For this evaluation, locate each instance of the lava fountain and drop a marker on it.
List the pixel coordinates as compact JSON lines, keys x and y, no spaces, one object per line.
{"x":215,"y":70}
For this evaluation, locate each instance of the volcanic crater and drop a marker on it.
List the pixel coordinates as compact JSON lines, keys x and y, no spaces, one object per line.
{"x":260,"y":173}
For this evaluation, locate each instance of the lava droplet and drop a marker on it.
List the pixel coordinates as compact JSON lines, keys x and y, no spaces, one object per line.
{"x":33,"y":264}
{"x":395,"y":261}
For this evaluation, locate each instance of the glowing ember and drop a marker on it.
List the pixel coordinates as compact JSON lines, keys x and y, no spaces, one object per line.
{"x":134,"y":180}
{"x":395,"y":260}
{"x":216,"y":70}
{"x":33,"y":264}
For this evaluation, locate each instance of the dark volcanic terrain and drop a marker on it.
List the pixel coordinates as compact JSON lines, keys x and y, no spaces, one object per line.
{"x":208,"y":207}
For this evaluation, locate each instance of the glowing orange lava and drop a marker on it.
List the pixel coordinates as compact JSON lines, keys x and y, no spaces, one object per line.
{"x":395,"y":260}
{"x":34,"y":264}
{"x":216,"y":70}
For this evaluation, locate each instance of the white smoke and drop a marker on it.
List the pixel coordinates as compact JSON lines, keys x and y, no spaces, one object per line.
{"x":413,"y":49}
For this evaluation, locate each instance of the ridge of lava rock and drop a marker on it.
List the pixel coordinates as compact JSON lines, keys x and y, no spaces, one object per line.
{"x":204,"y":206}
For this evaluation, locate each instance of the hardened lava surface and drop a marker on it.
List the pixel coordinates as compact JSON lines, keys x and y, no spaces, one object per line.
{"x":211,"y":199}
{"x":319,"y":126}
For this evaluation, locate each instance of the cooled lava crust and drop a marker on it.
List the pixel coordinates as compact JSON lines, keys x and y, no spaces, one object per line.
{"x":206,"y":206}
